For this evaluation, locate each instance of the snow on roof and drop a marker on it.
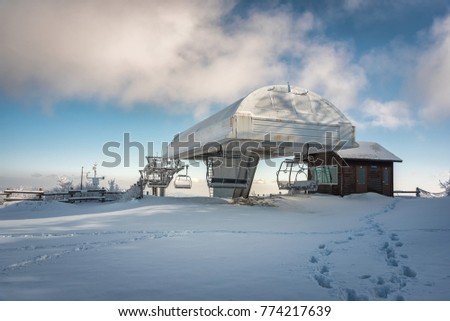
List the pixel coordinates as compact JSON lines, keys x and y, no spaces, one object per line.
{"x":280,"y":102}
{"x":368,"y":150}
{"x":286,"y":102}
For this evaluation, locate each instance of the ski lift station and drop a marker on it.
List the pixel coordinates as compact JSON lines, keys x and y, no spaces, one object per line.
{"x":270,"y":122}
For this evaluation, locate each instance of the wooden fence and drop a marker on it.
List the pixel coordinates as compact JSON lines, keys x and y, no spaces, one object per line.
{"x":416,"y":192}
{"x":71,"y":196}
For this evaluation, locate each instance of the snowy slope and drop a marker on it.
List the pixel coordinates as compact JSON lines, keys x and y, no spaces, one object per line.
{"x":316,"y":247}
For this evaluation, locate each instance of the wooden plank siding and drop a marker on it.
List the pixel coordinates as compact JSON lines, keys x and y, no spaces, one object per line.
{"x":348,"y":175}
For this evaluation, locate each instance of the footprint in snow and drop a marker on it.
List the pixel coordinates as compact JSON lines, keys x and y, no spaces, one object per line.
{"x":391,"y":257}
{"x":382,"y":291}
{"x":324,"y":269}
{"x":394,"y":237}
{"x":325,"y":251}
{"x":323,"y":281}
{"x":407,"y":271}
{"x":351,"y":295}
{"x":340,"y":242}
{"x":384,"y":246}
{"x":397,"y":280}
{"x":379,"y":280}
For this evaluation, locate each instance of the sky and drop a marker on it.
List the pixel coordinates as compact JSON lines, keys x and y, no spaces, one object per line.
{"x":75,"y":75}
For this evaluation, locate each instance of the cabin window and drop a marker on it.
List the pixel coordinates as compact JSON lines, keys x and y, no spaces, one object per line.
{"x":325,"y":175}
{"x":361,"y":175}
{"x":386,"y":176}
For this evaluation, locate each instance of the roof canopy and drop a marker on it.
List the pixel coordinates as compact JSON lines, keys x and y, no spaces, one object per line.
{"x":368,"y":151}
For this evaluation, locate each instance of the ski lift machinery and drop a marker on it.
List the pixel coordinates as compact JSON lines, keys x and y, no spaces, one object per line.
{"x":183,"y":181}
{"x":274,"y":121}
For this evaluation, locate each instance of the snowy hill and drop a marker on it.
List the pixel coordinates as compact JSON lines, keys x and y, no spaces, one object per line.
{"x":319,"y":247}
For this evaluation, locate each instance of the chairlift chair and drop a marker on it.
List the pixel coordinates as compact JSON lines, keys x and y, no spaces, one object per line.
{"x":183,"y":181}
{"x":224,"y":182}
{"x":290,"y":169}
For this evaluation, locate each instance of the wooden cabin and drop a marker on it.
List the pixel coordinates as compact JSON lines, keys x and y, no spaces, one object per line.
{"x":367,"y":168}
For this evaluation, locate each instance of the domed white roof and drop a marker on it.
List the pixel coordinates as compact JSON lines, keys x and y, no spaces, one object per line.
{"x":284,"y":101}
{"x":280,"y":113}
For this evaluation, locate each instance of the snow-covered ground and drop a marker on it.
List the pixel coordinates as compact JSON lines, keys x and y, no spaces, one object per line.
{"x":315,"y":247}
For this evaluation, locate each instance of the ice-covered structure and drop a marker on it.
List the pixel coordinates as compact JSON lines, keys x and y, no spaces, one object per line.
{"x":279,"y":114}
{"x":272,"y":121}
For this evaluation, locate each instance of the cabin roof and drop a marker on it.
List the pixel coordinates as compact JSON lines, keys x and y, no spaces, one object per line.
{"x":368,"y":151}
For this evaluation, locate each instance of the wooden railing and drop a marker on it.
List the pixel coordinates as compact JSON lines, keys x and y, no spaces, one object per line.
{"x":70,"y":196}
{"x":416,"y":192}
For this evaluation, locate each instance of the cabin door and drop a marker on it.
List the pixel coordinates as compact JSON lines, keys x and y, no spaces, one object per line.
{"x":361,"y":179}
{"x":375,"y":179}
{"x":387,"y":181}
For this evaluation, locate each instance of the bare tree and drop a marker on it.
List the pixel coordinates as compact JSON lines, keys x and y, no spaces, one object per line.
{"x":64,"y":184}
{"x":446,"y":185}
{"x":113,"y":187}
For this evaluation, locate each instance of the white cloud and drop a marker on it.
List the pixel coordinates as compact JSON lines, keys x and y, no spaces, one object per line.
{"x":328,"y":69}
{"x":432,"y":74}
{"x":178,"y":54}
{"x":354,"y":5}
{"x":419,"y":71}
{"x":391,"y":114}
{"x":395,"y":60}
{"x":131,"y":52}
